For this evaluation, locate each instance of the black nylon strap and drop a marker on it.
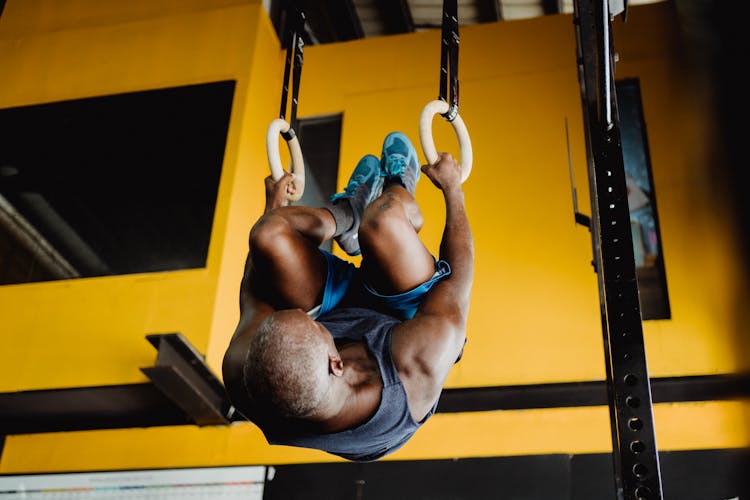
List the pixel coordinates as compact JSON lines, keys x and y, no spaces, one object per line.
{"x":449,"y":58}
{"x":294,"y":58}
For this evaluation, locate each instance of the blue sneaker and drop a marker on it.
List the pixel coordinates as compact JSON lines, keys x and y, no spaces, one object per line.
{"x":364,"y":185}
{"x":399,"y":160}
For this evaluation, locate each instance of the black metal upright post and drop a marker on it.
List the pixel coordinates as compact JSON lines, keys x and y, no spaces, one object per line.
{"x":634,"y":451}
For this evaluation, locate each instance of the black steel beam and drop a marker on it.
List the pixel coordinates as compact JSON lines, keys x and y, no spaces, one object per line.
{"x":395,"y":15}
{"x":278,"y":18}
{"x":551,"y":7}
{"x":579,"y":394}
{"x":333,"y":20}
{"x":487,"y":11}
{"x":87,"y":408}
{"x":144,"y":405}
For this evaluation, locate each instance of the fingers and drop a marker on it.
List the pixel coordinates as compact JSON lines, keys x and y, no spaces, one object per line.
{"x":286,"y":179}
{"x":445,"y":172}
{"x":282,"y":184}
{"x":442,"y":158}
{"x":279,"y":192}
{"x":445,"y":156}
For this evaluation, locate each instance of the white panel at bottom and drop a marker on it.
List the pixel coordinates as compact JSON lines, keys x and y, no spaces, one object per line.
{"x":209,"y":483}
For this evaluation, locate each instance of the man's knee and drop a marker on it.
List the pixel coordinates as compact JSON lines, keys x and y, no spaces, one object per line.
{"x":392,"y":211}
{"x":383,"y":214}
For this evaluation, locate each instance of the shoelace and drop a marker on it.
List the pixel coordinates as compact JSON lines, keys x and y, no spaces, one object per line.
{"x":350,"y":188}
{"x":395,"y":165}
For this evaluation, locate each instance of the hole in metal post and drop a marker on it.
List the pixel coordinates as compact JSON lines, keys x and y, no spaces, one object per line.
{"x":633,"y":401}
{"x":643,"y":493}
{"x":637,"y":447}
{"x":635,"y":424}
{"x":640,"y":471}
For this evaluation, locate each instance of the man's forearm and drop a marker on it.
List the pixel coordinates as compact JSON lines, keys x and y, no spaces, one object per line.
{"x":457,"y":246}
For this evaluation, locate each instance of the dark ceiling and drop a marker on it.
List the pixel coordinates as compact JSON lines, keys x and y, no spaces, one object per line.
{"x":332,"y":21}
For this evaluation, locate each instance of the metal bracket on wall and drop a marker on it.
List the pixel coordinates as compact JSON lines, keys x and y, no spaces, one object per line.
{"x":182,"y":375}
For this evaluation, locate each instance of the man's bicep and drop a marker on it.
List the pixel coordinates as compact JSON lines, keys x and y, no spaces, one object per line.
{"x":424,"y":350}
{"x":446,"y":302}
{"x":429,"y":343}
{"x":441,"y":324}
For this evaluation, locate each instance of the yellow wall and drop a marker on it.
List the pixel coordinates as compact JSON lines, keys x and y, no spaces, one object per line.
{"x":458,"y":435}
{"x":535,"y":309}
{"x":91,"y":331}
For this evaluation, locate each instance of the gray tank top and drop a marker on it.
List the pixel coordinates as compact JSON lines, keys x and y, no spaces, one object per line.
{"x":392,"y":424}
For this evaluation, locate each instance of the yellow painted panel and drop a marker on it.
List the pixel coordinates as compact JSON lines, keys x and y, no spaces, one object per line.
{"x":146,"y":54}
{"x":25,"y":17}
{"x":91,"y":331}
{"x":245,"y":188}
{"x":460,"y":435}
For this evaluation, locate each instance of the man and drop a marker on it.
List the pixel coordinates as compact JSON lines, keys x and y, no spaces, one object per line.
{"x":342,"y":359}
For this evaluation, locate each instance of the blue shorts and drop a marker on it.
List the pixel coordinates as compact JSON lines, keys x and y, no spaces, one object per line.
{"x":343,"y":281}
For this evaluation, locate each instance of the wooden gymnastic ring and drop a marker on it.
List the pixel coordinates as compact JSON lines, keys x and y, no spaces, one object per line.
{"x":282,"y":127}
{"x":428,"y":144}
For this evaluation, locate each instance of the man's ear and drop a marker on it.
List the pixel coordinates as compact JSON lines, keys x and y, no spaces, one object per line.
{"x":335,"y":365}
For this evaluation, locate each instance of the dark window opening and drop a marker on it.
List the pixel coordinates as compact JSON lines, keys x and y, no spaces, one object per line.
{"x":644,"y":220}
{"x":320,"y":140}
{"x":111,"y":185}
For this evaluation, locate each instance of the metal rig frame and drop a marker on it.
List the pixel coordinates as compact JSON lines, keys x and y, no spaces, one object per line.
{"x":634,"y":451}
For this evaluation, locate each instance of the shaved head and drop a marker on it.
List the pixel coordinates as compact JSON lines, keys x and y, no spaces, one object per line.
{"x":286,"y":368}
